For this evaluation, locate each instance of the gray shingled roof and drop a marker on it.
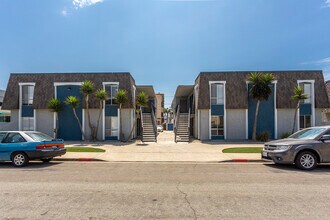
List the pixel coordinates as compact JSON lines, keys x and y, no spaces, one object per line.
{"x":237,"y":94}
{"x":44,"y":86}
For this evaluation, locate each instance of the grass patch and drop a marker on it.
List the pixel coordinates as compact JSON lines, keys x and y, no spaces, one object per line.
{"x":84,"y":149}
{"x":243,"y":150}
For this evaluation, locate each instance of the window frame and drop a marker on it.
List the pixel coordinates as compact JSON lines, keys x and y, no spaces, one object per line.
{"x":217,"y":128}
{"x":218,"y":97}
{"x":108,"y":126}
{"x":14,"y":133}
{"x":111,"y":97}
{"x":304,"y":122}
{"x":27,"y":98}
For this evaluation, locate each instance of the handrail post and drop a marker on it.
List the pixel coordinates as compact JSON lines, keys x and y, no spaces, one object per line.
{"x":189,"y":124}
{"x":176,"y":121}
{"x":141,"y":115}
{"x":154,"y":120}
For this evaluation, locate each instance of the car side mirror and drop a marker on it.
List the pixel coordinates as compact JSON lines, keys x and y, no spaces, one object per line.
{"x":325,"y":137}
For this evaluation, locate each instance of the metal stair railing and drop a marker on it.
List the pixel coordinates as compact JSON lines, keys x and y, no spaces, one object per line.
{"x":176,"y":122}
{"x":141,"y":115}
{"x":189,"y":125}
{"x":154,"y":123}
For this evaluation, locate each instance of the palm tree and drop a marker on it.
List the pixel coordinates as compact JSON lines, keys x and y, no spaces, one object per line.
{"x":259,"y":91}
{"x":141,"y":101}
{"x":87,"y":88}
{"x":74,"y":103}
{"x":298,"y":96}
{"x":121,"y":98}
{"x":101,"y":95}
{"x":166,"y":111}
{"x":55,"y":106}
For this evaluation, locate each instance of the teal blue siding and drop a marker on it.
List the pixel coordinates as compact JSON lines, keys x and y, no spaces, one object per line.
{"x":217,"y":137}
{"x":217,"y":110}
{"x":305,"y":109}
{"x":111,"y":138}
{"x":27,"y":111}
{"x":111,"y":110}
{"x":266,"y":116}
{"x":68,"y":126}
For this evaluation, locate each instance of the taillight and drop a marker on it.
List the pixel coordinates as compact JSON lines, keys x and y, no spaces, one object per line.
{"x":47,"y":146}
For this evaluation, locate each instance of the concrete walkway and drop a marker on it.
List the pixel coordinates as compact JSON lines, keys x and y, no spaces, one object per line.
{"x":166,"y":150}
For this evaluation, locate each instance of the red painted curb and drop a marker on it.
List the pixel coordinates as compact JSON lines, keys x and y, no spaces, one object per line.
{"x":87,"y":159}
{"x":241,"y":160}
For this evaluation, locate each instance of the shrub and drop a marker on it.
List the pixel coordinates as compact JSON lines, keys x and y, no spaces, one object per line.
{"x":263,"y":136}
{"x":285,"y":135}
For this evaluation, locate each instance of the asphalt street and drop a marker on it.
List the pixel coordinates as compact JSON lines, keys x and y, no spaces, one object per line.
{"x":95,"y":190}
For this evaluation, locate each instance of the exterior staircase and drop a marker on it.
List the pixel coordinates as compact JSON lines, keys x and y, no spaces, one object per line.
{"x":148,"y":134}
{"x":182,"y":132}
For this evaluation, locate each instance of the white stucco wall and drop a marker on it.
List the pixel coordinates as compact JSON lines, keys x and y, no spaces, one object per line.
{"x":94,"y":113}
{"x":204,"y":124}
{"x":318,"y":118}
{"x":45,"y":121}
{"x":285,"y":121}
{"x":196,"y":125}
{"x":127,"y":122}
{"x":236,"y":124}
{"x":13,"y":124}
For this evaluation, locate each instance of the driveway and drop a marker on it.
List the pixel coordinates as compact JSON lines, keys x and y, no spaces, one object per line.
{"x":165,"y":150}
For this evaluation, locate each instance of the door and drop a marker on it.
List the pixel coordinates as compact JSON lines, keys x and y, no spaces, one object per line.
{"x":68,"y":127}
{"x":266,"y":115}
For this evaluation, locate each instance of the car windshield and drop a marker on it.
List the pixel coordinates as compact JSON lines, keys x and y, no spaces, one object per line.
{"x":39,"y":136}
{"x":309,"y":133}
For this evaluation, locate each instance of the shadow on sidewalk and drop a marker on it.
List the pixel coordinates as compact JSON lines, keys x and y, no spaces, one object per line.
{"x":288,"y":167}
{"x":31,"y":165}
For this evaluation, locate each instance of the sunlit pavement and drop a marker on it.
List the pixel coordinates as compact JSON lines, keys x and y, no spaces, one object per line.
{"x":94,"y":190}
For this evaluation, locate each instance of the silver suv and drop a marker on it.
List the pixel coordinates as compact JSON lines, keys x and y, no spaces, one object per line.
{"x":305,"y":148}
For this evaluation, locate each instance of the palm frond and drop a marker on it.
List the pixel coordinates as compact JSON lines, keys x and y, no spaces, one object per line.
{"x":87,"y":87}
{"x":72,"y":101}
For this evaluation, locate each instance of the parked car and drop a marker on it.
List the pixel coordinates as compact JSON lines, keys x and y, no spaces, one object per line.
{"x":305,"y":148}
{"x":21,"y":146}
{"x":159,"y":128}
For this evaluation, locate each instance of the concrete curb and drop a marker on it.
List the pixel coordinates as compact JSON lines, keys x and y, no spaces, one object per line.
{"x":244,"y":161}
{"x":139,"y":161}
{"x":79,"y":159}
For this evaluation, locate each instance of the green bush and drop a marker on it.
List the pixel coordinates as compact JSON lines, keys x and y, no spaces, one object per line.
{"x":285,"y":135}
{"x":263,"y":136}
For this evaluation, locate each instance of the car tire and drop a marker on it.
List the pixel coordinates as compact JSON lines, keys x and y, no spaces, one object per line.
{"x":306,"y":160}
{"x":47,"y":160}
{"x":19,"y":159}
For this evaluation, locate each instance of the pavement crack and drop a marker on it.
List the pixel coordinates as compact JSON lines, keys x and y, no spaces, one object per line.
{"x":45,"y":212}
{"x":187,"y":200}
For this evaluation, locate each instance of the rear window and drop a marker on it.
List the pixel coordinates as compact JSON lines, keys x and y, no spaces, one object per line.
{"x":2,"y":135}
{"x":39,"y":136}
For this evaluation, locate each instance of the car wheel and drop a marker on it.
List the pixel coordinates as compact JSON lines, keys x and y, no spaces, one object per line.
{"x":46,"y":160}
{"x":306,"y":160}
{"x":20,"y":159}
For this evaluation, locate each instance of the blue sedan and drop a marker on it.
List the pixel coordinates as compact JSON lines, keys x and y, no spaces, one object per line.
{"x":21,"y":146}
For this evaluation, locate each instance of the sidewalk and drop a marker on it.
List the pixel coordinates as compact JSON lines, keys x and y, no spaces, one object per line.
{"x":166,"y":150}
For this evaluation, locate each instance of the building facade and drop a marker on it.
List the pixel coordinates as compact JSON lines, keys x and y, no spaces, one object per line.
{"x":220,"y":106}
{"x":28,"y":95}
{"x":160,"y":108}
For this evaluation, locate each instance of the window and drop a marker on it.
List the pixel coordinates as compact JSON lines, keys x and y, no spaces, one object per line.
{"x":27,"y":95}
{"x":4,"y":118}
{"x":111,"y":126}
{"x":217,"y":94}
{"x":2,"y":135}
{"x":14,"y":138}
{"x":39,"y":136}
{"x":217,"y":128}
{"x":305,"y":121}
{"x":307,"y":89}
{"x":28,"y":124}
{"x":112,"y":92}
